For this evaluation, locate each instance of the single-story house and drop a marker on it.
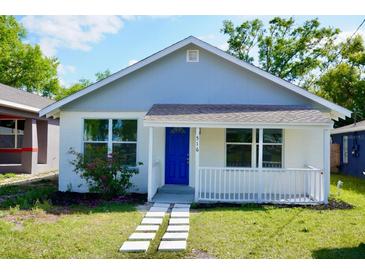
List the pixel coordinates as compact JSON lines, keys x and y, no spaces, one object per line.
{"x":28,"y":143}
{"x":350,"y":141}
{"x":201,"y":119}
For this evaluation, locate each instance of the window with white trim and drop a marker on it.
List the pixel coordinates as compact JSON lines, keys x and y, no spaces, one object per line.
{"x":11,"y":133}
{"x":272,"y":148}
{"x":111,"y":135}
{"x":238,"y":147}
{"x":345,"y":149}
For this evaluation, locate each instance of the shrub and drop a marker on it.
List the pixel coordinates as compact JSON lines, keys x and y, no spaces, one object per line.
{"x":107,"y":175}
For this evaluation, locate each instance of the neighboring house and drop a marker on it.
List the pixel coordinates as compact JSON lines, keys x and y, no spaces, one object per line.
{"x":351,"y":142}
{"x":198,"y":117}
{"x":28,"y":143}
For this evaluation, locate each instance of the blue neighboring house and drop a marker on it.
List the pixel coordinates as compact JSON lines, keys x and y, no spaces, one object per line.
{"x":351,"y":139}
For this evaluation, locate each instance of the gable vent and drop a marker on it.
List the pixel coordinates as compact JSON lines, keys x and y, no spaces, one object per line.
{"x":192,"y":56}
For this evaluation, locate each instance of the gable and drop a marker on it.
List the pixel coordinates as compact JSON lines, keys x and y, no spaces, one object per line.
{"x":172,"y":80}
{"x":161,"y":56}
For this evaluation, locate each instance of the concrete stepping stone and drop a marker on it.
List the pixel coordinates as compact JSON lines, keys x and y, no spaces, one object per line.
{"x":158,"y":209}
{"x":179,"y":214}
{"x":179,"y":221}
{"x":175,"y":236}
{"x":142,"y":236}
{"x":134,"y":246}
{"x":172,"y":246}
{"x":161,"y":205}
{"x":151,"y":221}
{"x":177,"y":228}
{"x":180,"y":209}
{"x":154,"y":214}
{"x":181,"y":205}
{"x":147,"y":228}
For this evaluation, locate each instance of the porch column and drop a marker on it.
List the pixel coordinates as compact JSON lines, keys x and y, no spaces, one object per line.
{"x":197,"y":162}
{"x":326,"y":164}
{"x":150,"y":151}
{"x":261,"y":183}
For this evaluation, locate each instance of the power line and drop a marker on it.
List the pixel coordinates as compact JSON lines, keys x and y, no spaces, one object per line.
{"x":362,"y":23}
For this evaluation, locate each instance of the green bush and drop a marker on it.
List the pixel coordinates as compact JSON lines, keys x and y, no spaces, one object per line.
{"x":105,"y":174}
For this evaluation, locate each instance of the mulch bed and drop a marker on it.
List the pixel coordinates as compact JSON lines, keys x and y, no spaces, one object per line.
{"x":93,"y":199}
{"x":333,"y":204}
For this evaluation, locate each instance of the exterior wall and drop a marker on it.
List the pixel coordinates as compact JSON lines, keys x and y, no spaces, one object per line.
{"x":171,"y":79}
{"x":355,"y":165}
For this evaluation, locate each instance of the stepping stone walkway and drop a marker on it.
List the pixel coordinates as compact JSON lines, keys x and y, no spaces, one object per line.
{"x":177,"y":232}
{"x":175,"y":236}
{"x":139,"y":241}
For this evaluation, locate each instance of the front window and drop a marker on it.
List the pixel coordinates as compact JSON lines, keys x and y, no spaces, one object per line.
{"x":11,"y":133}
{"x":238,"y":147}
{"x":242,"y":147}
{"x":345,"y":149}
{"x":110,"y":135}
{"x":272,"y":148}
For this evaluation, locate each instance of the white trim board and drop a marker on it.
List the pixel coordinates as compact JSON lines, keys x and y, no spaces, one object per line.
{"x":18,"y":106}
{"x":336,"y":109}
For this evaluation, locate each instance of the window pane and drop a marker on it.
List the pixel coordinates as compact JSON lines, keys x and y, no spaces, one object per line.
{"x":239,"y":135}
{"x":273,"y":135}
{"x":7,"y":126}
{"x":272,"y":156}
{"x":124,"y":130}
{"x":239,"y":155}
{"x":96,"y":130}
{"x":127,"y":152}
{"x":7,"y":141}
{"x":21,"y":127}
{"x":20,"y":141}
{"x":94,"y":150}
{"x":270,"y":136}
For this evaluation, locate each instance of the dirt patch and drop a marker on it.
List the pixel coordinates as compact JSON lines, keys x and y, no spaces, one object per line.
{"x":93,"y":199}
{"x":20,"y":217}
{"x":333,"y":204}
{"x":200,"y":254}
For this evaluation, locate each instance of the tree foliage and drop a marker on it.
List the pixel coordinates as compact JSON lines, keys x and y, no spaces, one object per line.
{"x":23,"y":65}
{"x":344,"y":81}
{"x":83,"y":83}
{"x":285,"y":49}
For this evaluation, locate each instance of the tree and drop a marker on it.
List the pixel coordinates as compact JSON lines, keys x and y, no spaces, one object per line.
{"x":23,"y":65}
{"x":83,"y":83}
{"x":286,"y":50}
{"x":344,"y":81}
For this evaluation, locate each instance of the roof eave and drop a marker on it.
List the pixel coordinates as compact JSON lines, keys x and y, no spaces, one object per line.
{"x":19,"y":106}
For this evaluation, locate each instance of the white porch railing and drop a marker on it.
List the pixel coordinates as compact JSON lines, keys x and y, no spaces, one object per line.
{"x":266,"y":185}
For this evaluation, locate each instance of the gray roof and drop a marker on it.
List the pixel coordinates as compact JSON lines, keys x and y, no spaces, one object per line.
{"x":18,"y":96}
{"x":276,"y":114}
{"x":358,"y":126}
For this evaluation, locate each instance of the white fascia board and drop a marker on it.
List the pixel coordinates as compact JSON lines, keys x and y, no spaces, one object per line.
{"x":191,"y":124}
{"x":347,"y":130}
{"x":18,"y":106}
{"x":210,"y":48}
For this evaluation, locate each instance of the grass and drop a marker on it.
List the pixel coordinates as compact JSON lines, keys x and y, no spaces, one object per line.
{"x":6,"y":176}
{"x":38,"y":229}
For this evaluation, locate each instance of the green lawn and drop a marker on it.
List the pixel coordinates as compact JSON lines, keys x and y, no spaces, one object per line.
{"x":46,"y":231}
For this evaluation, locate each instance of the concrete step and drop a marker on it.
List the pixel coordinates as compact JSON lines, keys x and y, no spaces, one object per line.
{"x":135,"y":246}
{"x":147,"y":228}
{"x":175,"y":236}
{"x":155,"y":214}
{"x":142,"y":236}
{"x":172,"y":246}
{"x":176,"y":189}
{"x":179,"y":221}
{"x":151,"y":221}
{"x":177,"y":228}
{"x":177,"y":214}
{"x":181,"y":205}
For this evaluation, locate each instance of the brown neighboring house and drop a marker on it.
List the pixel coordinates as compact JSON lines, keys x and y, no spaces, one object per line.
{"x":28,"y":143}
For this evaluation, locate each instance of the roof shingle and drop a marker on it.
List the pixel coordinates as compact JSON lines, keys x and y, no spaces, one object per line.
{"x":275,"y":114}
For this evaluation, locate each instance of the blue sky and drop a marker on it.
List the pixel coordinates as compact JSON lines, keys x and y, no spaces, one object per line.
{"x":85,"y":45}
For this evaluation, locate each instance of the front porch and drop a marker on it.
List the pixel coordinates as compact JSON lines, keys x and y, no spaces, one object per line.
{"x":245,"y":163}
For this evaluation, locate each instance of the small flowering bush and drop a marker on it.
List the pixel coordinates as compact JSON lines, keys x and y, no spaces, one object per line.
{"x":105,"y":174}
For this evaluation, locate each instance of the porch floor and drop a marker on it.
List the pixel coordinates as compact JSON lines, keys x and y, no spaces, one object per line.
{"x":174,"y":194}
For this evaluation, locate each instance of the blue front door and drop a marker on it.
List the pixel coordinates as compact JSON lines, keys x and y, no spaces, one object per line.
{"x":177,"y":156}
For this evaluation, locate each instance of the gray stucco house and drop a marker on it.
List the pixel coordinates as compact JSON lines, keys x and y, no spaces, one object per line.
{"x":206,"y":125}
{"x":28,"y":143}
